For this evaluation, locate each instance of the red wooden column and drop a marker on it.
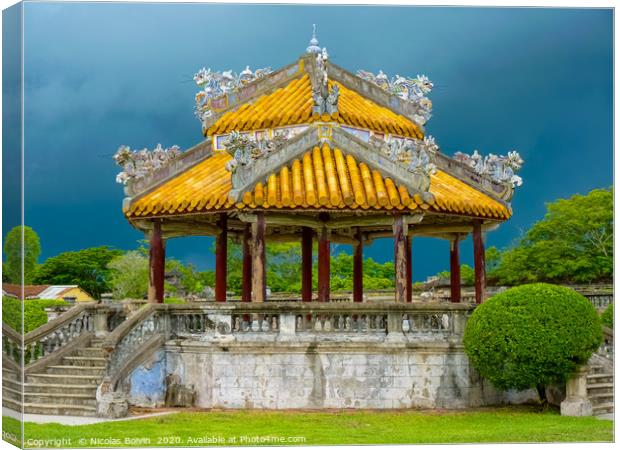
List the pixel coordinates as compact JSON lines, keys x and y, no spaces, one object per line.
{"x":409,"y":290}
{"x":157,"y":259}
{"x":399,"y":229}
{"x":455,"y":271}
{"x":221,"y":255}
{"x":358,"y":269}
{"x":306,"y":264}
{"x":323,"y":265}
{"x":479,"y":271}
{"x":246,"y":281}
{"x":259,"y":284}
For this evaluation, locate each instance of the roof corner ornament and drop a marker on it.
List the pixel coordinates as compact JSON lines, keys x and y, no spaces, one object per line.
{"x":217,"y":84}
{"x":419,"y":156}
{"x":499,"y":168}
{"x":245,"y":151}
{"x":413,"y":90}
{"x":314,"y":42}
{"x":142,"y":163}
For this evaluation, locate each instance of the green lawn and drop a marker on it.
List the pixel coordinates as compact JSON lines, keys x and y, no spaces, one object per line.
{"x":509,"y":424}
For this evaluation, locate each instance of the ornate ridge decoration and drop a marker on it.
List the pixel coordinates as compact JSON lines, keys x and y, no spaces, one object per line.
{"x":325,"y":101}
{"x":415,"y":154}
{"x":413,"y":90}
{"x":216,"y":84}
{"x":245,"y":150}
{"x":138,"y":164}
{"x":498,"y":168}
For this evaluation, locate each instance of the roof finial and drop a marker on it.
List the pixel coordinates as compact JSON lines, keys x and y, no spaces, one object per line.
{"x":314,"y":42}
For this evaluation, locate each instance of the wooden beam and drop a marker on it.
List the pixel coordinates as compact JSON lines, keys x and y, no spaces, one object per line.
{"x":479,"y":263}
{"x":399,"y":228}
{"x":221,"y":257}
{"x":246,"y":281}
{"x":409,"y":290}
{"x":258,"y":259}
{"x":294,"y":237}
{"x":324,"y":265}
{"x":334,"y":223}
{"x":358,"y":269}
{"x":157,"y":259}
{"x":306,"y":264}
{"x":455,"y":270}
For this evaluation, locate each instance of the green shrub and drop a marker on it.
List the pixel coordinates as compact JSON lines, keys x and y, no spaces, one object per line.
{"x":532,"y":336}
{"x":34,"y":312}
{"x":608,"y":316}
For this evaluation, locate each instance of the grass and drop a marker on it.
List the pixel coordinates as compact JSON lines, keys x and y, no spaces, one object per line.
{"x":504,"y":424}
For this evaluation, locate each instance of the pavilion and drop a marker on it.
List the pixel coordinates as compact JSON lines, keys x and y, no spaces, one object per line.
{"x":312,"y":151}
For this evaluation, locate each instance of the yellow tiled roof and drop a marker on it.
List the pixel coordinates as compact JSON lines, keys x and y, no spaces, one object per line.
{"x":322,"y":178}
{"x":292,"y":105}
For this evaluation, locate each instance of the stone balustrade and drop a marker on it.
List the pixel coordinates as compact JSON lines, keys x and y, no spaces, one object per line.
{"x":49,"y":339}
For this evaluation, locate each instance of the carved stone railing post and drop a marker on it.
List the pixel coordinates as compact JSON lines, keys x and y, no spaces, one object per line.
{"x":100,"y":319}
{"x":577,"y":402}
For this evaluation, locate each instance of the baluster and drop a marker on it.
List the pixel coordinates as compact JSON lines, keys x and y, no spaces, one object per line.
{"x":406,"y":323}
{"x":366,"y":324}
{"x":347,"y":323}
{"x":298,"y":324}
{"x":316,"y":323}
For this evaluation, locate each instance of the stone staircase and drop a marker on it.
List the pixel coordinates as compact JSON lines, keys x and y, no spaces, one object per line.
{"x":600,"y":385}
{"x":66,"y":388}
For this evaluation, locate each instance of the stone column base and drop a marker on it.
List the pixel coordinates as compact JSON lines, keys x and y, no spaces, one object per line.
{"x":576,"y":407}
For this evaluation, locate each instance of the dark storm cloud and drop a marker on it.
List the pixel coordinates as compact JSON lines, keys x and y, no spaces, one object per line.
{"x":101,"y":75}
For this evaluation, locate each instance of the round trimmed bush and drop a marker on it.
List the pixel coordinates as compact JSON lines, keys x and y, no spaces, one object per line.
{"x":531,"y":336}
{"x":608,"y":316}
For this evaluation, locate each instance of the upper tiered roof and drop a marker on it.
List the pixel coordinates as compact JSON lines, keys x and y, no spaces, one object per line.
{"x":313,"y":136}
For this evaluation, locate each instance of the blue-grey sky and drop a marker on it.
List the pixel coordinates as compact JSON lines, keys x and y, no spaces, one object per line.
{"x":101,"y":75}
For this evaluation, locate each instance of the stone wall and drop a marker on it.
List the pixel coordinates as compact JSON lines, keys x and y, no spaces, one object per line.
{"x":312,"y":374}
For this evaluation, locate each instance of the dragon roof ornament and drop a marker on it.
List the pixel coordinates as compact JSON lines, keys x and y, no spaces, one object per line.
{"x":499,"y":168}
{"x":245,"y":149}
{"x":138,"y":164}
{"x":413,"y":90}
{"x":216,"y":84}
{"x":415,"y":154}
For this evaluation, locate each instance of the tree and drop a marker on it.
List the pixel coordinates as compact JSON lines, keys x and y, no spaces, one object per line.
{"x":532,"y":336}
{"x":87,"y":268}
{"x":13,"y":254}
{"x":573,"y":243}
{"x":607,"y":318}
{"x":129,"y":275}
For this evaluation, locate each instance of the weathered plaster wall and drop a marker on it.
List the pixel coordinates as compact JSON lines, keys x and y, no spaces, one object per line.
{"x":147,"y":384}
{"x":270,"y":374}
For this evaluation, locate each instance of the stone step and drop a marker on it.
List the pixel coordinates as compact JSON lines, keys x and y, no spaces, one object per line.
{"x":12,"y":384}
{"x":12,"y":404}
{"x":53,"y":378}
{"x":89,"y":352}
{"x":9,"y":375}
{"x":603,"y":408}
{"x":92,"y":361}
{"x":604,"y":397}
{"x":48,"y":388}
{"x":600,"y":378}
{"x":60,"y":399}
{"x":60,"y":409}
{"x":596,"y":388}
{"x":13,"y":394}
{"x":76,"y":370}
